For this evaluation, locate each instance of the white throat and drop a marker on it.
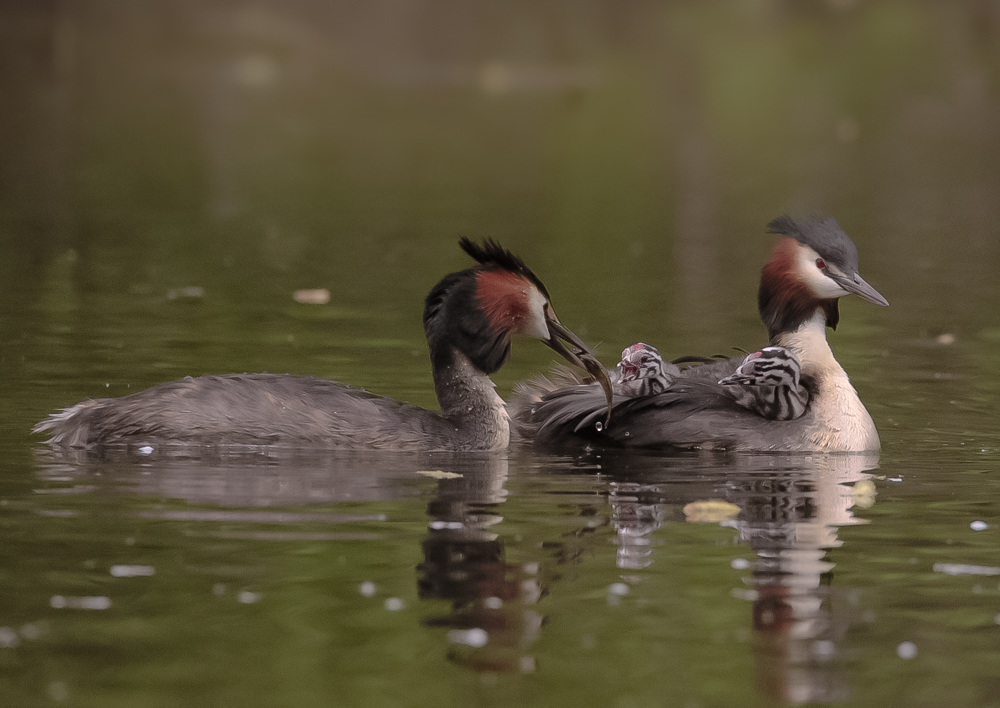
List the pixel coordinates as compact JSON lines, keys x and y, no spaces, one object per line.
{"x":809,"y":344}
{"x":840,"y":421}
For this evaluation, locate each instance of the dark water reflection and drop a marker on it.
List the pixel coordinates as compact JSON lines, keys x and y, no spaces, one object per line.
{"x":785,"y":512}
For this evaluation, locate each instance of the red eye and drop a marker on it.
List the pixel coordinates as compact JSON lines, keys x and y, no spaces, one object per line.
{"x":820,"y":263}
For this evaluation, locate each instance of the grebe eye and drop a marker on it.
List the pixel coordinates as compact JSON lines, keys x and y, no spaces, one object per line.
{"x":820,"y":263}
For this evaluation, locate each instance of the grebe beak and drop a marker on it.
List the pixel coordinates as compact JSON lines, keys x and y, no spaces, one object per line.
{"x":857,"y":285}
{"x":577,"y":353}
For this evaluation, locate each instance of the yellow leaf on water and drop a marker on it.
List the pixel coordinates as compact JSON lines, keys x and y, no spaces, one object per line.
{"x":710,"y":511}
{"x":439,"y":474}
{"x":863,"y":493}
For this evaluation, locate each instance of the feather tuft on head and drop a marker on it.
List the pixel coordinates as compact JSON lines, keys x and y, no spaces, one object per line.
{"x":491,"y":254}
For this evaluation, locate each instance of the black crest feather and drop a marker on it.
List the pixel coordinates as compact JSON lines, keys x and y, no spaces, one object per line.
{"x":491,"y":254}
{"x":453,"y":318}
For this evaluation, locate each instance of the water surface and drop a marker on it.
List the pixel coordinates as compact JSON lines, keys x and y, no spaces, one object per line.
{"x":173,"y":173}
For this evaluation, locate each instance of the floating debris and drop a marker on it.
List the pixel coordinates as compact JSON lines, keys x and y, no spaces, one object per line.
{"x":192,"y":292}
{"x":394,"y":604}
{"x":979,"y":526}
{"x":99,"y":602}
{"x":439,"y":474}
{"x":863,"y":493}
{"x":710,"y":511}
{"x":248,"y":597}
{"x":145,"y":450}
{"x":946,"y":339}
{"x":367,"y":589}
{"x":739,"y":564}
{"x":965,"y":569}
{"x":312,"y":296}
{"x":132,"y":571}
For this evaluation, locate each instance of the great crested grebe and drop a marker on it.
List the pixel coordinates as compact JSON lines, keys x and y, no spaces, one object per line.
{"x":469,"y":318}
{"x":791,"y":396}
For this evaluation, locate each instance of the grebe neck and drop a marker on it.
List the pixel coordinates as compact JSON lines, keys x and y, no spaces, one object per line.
{"x":469,"y":401}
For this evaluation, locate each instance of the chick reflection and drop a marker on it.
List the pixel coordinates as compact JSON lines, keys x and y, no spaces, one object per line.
{"x":636,"y":512}
{"x":788,"y":510}
{"x":790,"y":516}
{"x":464,"y":563}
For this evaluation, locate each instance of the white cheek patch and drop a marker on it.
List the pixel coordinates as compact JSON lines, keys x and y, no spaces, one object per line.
{"x":534,"y":324}
{"x":820,"y":284}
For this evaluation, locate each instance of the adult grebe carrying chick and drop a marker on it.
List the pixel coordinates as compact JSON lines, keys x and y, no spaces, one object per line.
{"x":792,"y":396}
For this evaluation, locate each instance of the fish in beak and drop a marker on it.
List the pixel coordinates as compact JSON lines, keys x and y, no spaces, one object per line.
{"x":572,"y":349}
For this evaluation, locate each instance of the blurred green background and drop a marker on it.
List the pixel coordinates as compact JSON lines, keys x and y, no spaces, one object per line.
{"x":631,"y":152}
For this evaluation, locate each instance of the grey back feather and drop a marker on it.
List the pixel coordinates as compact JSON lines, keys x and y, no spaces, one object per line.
{"x":249,"y":409}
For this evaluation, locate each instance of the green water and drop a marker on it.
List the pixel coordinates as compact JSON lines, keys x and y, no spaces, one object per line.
{"x":632,"y":156}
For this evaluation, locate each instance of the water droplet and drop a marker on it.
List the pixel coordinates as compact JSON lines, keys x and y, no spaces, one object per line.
{"x":57,"y":691}
{"x":824,"y":649}
{"x":248,"y":597}
{"x":739,"y":564}
{"x":367,"y":588}
{"x":8,"y":638}
{"x":906,"y":650}
{"x":474,"y":637}
{"x":493,"y":603}
{"x":618,"y":589}
{"x":132,"y":571}
{"x":393,"y":604}
{"x":979,"y":526}
{"x":599,"y":425}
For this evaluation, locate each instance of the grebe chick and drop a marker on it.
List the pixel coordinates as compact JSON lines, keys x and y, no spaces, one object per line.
{"x":641,"y":372}
{"x":768,"y":383}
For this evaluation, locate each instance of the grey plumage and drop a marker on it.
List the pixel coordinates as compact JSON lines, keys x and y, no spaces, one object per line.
{"x":696,"y":411}
{"x":248,"y":409}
